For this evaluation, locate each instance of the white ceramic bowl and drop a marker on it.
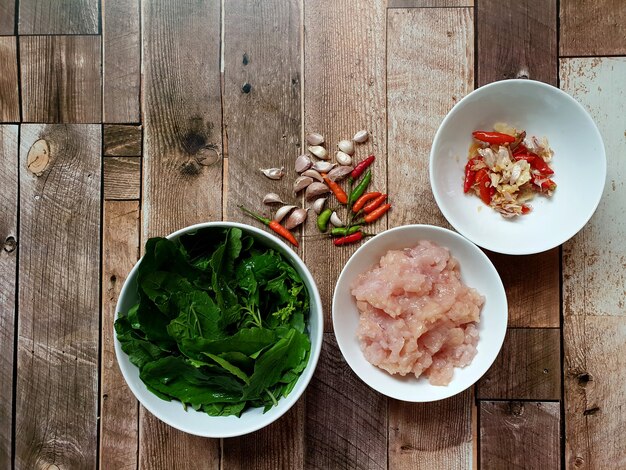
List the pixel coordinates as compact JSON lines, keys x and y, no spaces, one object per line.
{"x":579,"y":164}
{"x":476,"y":271}
{"x":199,"y":423}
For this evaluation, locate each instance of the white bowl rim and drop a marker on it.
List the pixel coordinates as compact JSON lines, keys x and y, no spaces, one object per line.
{"x":482,"y":89}
{"x":481,"y":255}
{"x":305,"y":377}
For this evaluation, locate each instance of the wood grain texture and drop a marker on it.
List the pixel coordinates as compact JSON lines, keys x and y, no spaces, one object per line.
{"x":8,"y":273}
{"x":122,"y":140}
{"x":592,"y":28}
{"x":431,"y":435}
{"x":122,"y":178}
{"x":263,"y":123}
{"x":58,"y":16}
{"x":432,"y":77}
{"x":58,"y":337}
{"x":519,"y":435}
{"x":7,"y":17}
{"x":516,"y":40}
{"x":9,"y":92}
{"x":262,"y":119}
{"x":346,"y":423}
{"x":163,"y":447}
{"x":119,"y":410}
{"x":344,"y":92}
{"x":182,"y":131}
{"x":594,"y":276}
{"x":121,"y":61}
{"x":528,"y":367}
{"x":61,"y":79}
{"x":429,"y":3}
{"x":534,"y":300}
{"x":182,"y":114}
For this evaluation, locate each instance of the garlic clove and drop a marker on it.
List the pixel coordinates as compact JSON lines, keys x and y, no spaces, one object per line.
{"x":300,"y":183}
{"x":273,"y":173}
{"x":315,"y":189}
{"x":346,"y":146}
{"x":335,"y":220}
{"x":282,"y":212}
{"x":313,"y":138}
{"x":361,"y":137}
{"x":272,"y":198}
{"x":303,"y":162}
{"x":318,"y":205}
{"x":340,"y":172}
{"x":297,"y":217}
{"x":343,"y":158}
{"x":313,"y":174}
{"x":323,"y":167}
{"x":319,"y":151}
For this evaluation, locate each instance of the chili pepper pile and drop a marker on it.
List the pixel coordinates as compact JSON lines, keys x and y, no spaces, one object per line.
{"x":506,"y":169}
{"x":361,"y":207}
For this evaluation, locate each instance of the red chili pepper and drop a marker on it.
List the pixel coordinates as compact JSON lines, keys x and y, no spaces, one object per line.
{"x":484,"y":186}
{"x":361,"y":167}
{"x":339,"y":193}
{"x":493,"y":137}
{"x":274,"y":225}
{"x":375,"y":203}
{"x":470,"y":174}
{"x":520,"y":150}
{"x":536,"y":162}
{"x":360,"y":202}
{"x":546,"y":185}
{"x":355,"y":237}
{"x":376,"y":213}
{"x":526,"y":209}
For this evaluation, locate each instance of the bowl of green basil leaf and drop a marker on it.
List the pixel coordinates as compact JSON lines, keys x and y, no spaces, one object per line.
{"x":218,"y":329}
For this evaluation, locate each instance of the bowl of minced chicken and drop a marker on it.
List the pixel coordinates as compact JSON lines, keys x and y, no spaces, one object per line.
{"x":419,"y":313}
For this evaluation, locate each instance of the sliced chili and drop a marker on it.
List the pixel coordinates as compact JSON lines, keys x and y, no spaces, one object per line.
{"x":495,"y":138}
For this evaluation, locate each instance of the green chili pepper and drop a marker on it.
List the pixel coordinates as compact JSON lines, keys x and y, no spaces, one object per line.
{"x":360,"y":188}
{"x":323,"y":218}
{"x":344,"y":231}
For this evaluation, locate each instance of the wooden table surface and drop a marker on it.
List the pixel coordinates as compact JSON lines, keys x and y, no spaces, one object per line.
{"x":136,"y":99}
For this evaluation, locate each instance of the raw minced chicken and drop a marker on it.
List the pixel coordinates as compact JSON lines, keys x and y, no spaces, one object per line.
{"x":416,"y":315}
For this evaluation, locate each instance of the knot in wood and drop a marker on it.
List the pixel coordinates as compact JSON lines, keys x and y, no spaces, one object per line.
{"x":516,"y":408}
{"x":38,"y":157}
{"x":584,"y":379}
{"x":579,"y":462}
{"x":10,"y":244}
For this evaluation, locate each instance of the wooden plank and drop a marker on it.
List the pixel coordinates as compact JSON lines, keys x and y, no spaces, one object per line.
{"x":122,"y":178}
{"x":122,"y":140}
{"x":516,"y":435}
{"x":182,"y":121}
{"x":418,"y":80}
{"x":9,"y":92}
{"x":516,"y":40}
{"x":263,"y":124}
{"x":119,"y":410}
{"x":7,"y":17}
{"x":57,"y":349}
{"x":528,"y":367}
{"x":433,"y":76}
{"x":262,"y":119}
{"x":61,"y":79}
{"x":534,"y":300}
{"x":121,"y":61}
{"x":519,"y":41}
{"x":346,"y":423}
{"x":8,"y":272}
{"x":592,"y":28}
{"x":344,"y":92}
{"x":429,"y":3}
{"x":431,"y":435}
{"x":594,"y":276}
{"x":182,"y":132}
{"x":58,"y":16}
